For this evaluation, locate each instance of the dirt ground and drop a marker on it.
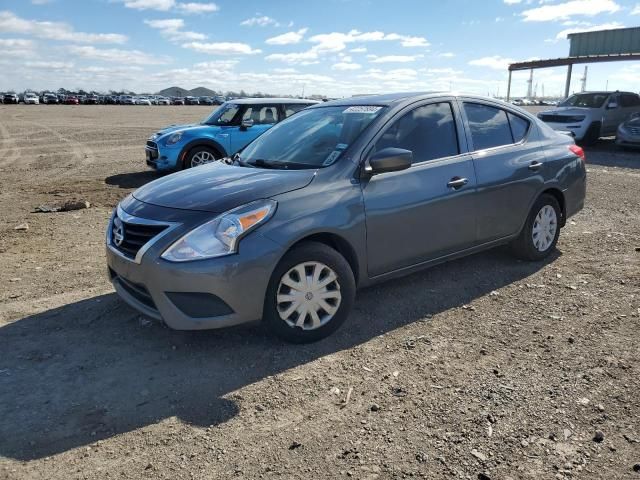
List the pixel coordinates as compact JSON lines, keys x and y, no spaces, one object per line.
{"x":483,"y":368}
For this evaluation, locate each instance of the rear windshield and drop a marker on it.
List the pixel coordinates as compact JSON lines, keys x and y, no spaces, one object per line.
{"x":586,"y":100}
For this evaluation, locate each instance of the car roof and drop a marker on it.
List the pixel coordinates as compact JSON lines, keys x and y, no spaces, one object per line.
{"x":259,"y":101}
{"x":395,"y":99}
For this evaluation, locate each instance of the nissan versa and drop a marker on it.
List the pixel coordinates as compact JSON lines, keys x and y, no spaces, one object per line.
{"x":228,"y":129}
{"x":340,"y":196}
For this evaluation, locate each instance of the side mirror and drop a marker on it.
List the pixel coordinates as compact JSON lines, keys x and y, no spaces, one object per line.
{"x":247,"y":123}
{"x":612,"y":105}
{"x":389,"y":160}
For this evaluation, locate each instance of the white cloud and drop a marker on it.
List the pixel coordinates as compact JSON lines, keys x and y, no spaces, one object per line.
{"x":447,"y":55}
{"x":171,"y":28}
{"x":512,"y":2}
{"x":166,"y":5}
{"x":359,"y":50}
{"x":495,"y":62}
{"x":16,"y":47}
{"x":222,"y":48}
{"x":636,"y":9}
{"x":289,"y":38}
{"x":260,"y":21}
{"x":193,"y":7}
{"x":125,"y":57}
{"x":162,"y":5}
{"x":46,"y":65}
{"x":395,"y":58}
{"x":10,"y":23}
{"x":301,"y":58}
{"x":562,"y":35}
{"x":563,"y":11}
{"x":336,"y":41}
{"x":345,"y":66}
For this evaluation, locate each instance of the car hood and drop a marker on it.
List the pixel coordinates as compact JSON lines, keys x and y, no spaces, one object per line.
{"x":567,"y":111}
{"x":633,"y":122}
{"x":218,"y":187}
{"x":175,"y":128}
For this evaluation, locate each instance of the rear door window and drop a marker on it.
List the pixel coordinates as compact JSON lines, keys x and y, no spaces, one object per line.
{"x":489,"y":126}
{"x":428,"y":131}
{"x":261,"y":114}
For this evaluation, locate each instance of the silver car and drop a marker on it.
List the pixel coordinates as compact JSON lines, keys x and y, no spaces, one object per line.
{"x":339,"y":196}
{"x":591,"y":115}
{"x":628,"y":135}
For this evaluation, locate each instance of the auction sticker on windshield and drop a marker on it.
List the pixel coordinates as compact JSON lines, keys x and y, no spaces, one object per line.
{"x":362,"y":109}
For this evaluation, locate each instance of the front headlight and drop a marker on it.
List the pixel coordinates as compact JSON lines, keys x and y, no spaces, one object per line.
{"x":220,"y":236}
{"x":574,"y":119}
{"x":175,"y":138}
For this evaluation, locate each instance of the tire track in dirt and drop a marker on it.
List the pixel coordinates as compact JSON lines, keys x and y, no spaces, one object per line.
{"x":9,"y":151}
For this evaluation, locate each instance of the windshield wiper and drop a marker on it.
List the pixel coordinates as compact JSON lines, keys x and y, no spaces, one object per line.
{"x":277,"y":164}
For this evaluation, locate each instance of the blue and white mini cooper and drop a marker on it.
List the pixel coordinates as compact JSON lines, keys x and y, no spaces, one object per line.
{"x":227,"y":130}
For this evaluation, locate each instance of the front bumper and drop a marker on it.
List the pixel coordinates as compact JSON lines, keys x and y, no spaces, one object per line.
{"x":627,"y":139}
{"x":578,"y":130}
{"x":160,"y":157}
{"x":197,"y":295}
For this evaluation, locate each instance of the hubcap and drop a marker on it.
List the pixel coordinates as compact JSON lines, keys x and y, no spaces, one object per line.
{"x":201,"y":158}
{"x":308,"y":296}
{"x":544,"y":228}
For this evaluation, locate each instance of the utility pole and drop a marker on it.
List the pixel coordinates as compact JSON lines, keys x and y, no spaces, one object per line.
{"x":583,"y":80}
{"x":530,"y":84}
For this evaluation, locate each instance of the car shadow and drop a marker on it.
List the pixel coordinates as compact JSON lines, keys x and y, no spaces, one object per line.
{"x":94,"y":369}
{"x":132,"y":180}
{"x":607,"y":154}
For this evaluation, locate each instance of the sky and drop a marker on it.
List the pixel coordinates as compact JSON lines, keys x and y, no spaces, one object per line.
{"x":335,"y":48}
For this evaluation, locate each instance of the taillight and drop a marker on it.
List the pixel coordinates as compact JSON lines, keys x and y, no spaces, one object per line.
{"x":578,"y":151}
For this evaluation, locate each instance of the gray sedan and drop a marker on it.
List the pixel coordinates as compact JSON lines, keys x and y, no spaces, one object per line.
{"x":339,"y":196}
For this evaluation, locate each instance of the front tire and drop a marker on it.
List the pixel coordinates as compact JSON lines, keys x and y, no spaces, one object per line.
{"x":592,"y":135}
{"x":200,"y":156}
{"x":540,"y":234}
{"x":310,"y":294}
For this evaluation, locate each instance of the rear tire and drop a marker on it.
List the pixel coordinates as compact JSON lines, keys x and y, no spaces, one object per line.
{"x":324,"y":307}
{"x":540,"y":233}
{"x":200,"y":156}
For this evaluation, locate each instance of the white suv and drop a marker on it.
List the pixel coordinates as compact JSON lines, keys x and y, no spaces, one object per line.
{"x":31,"y":98}
{"x":591,"y":115}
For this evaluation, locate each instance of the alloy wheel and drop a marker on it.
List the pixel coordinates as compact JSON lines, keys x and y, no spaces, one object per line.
{"x":202,"y":158}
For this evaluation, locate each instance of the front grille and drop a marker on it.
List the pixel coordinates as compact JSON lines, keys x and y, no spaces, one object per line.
{"x":635,"y":130}
{"x":137,"y":291}
{"x":134,"y":236}
{"x":557,"y":118}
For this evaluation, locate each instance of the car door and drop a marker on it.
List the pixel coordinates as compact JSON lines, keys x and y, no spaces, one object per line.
{"x":263,"y":117}
{"x":426,"y":211}
{"x":614,"y":114}
{"x":630,"y":103}
{"x":509,"y":165}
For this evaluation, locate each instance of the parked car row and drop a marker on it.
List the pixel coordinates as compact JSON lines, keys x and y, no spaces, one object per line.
{"x":589,"y":116}
{"x":337,"y":196}
{"x":93,"y":99}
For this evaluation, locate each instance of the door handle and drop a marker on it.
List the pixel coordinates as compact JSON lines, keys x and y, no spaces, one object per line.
{"x":535,"y":166}
{"x":457,"y":182}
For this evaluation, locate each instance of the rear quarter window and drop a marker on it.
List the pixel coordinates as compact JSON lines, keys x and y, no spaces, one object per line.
{"x":519,"y":127}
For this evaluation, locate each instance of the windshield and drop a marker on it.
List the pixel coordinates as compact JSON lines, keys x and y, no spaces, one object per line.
{"x":311,"y":138}
{"x":222,"y":115}
{"x":586,"y":100}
